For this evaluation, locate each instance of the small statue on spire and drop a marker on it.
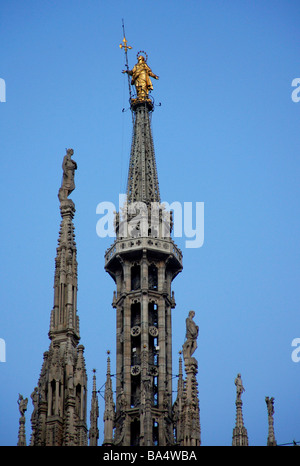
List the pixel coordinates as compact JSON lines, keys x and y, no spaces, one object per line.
{"x":192,"y":331}
{"x":239,"y":386}
{"x":240,"y":434}
{"x":141,"y":73}
{"x":22,"y":409}
{"x":270,"y":407}
{"x":67,"y":185}
{"x":22,"y":405}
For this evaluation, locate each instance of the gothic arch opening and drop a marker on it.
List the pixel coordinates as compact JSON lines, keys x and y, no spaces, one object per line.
{"x":152,"y":277}
{"x":135,"y":277}
{"x":153,"y":313}
{"x":155,"y":432}
{"x":135,"y":314}
{"x":135,"y":433}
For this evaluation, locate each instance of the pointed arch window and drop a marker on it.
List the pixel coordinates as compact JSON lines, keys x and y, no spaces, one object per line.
{"x":135,"y":277}
{"x":152,"y":277}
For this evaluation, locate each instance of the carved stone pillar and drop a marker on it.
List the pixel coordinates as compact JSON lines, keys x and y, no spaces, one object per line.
{"x":271,"y":442}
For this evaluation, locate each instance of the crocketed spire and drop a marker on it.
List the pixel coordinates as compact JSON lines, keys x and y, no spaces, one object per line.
{"x":271,"y":442}
{"x":59,"y":417}
{"x":109,"y":411}
{"x":240,"y":435}
{"x":94,"y":414}
{"x":142,"y":183}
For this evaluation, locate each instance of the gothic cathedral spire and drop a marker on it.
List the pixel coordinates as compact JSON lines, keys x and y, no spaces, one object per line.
{"x":59,"y":416}
{"x":94,"y":414}
{"x":143,"y":261}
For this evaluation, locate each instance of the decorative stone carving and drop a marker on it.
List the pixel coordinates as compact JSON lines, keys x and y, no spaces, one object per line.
{"x":153,"y":331}
{"x":22,"y":409}
{"x":67,"y":185}
{"x":192,"y":331}
{"x":186,"y":410}
{"x":239,"y":386}
{"x":153,"y":371}
{"x":135,"y":331}
{"x":22,"y":405}
{"x":135,"y":370}
{"x":271,"y":435}
{"x":35,"y":399}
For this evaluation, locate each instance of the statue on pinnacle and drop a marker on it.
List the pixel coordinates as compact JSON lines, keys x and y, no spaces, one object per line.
{"x":22,"y":405}
{"x":192,"y":331}
{"x":67,"y":185}
{"x":239,"y":386}
{"x":141,"y":73}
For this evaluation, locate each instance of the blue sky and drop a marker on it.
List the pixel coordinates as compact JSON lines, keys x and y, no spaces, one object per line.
{"x":226,"y":134}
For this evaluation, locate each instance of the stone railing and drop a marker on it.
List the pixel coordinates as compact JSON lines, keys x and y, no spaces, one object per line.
{"x":166,"y":246}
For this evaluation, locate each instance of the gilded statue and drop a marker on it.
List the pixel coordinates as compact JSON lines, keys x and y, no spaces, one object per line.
{"x":141,"y":73}
{"x":67,"y":185}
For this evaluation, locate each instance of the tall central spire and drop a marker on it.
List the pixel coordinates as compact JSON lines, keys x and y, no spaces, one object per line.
{"x":143,"y":263}
{"x":142,"y":185}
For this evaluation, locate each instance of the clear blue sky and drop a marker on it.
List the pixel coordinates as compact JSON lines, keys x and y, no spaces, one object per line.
{"x":226,"y":134}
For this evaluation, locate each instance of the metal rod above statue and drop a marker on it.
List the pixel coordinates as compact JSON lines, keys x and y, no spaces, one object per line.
{"x":126,"y":47}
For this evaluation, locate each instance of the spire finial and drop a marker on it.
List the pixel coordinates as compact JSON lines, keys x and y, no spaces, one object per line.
{"x":126,"y":48}
{"x":94,"y":414}
{"x":108,"y":363}
{"x":124,"y":45}
{"x":271,"y":436}
{"x":180,"y":363}
{"x":94,"y":380}
{"x":109,"y":411}
{"x":22,"y":408}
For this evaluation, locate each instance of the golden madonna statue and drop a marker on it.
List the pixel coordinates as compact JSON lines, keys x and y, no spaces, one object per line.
{"x":141,"y":73}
